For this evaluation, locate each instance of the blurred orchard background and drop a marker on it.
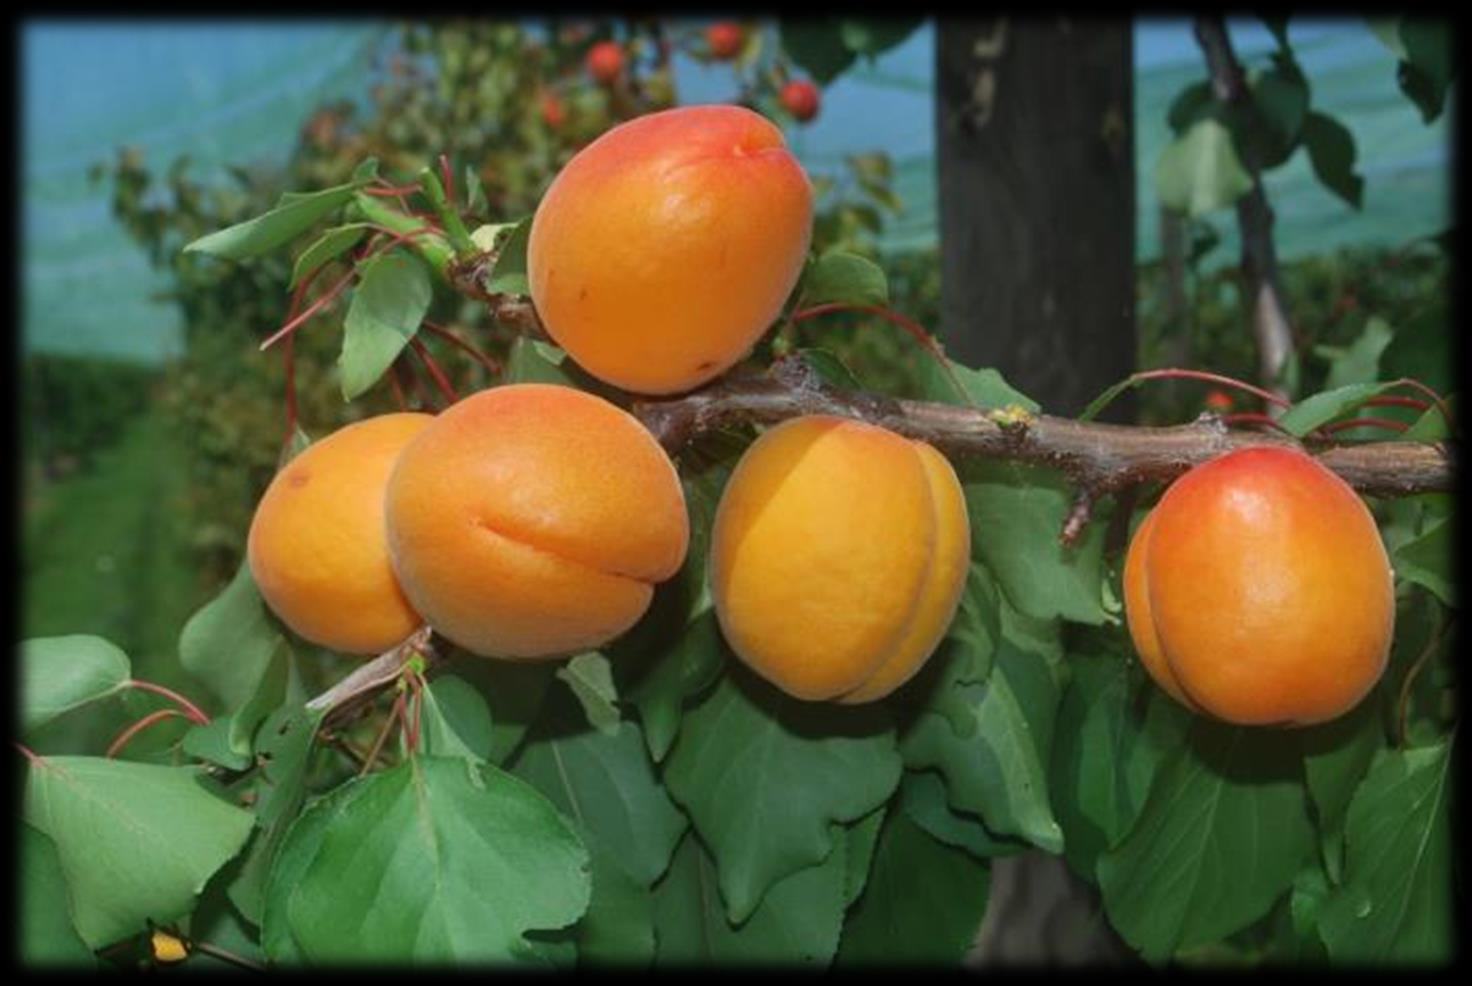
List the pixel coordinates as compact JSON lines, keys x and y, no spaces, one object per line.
{"x":150,"y":423}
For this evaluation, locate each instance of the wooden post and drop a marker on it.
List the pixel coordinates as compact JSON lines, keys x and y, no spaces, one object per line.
{"x":1035,"y":147}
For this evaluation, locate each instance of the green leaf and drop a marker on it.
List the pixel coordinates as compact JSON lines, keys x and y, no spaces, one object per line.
{"x":1222,"y":832}
{"x":433,"y":860}
{"x":137,"y":842}
{"x":47,"y":938}
{"x":923,"y":799}
{"x":924,"y":901}
{"x":1017,"y":512}
{"x":475,"y":193}
{"x":847,"y":278}
{"x":391,"y":300}
{"x":606,"y":786}
{"x":457,"y":721}
{"x":1396,"y":904}
{"x":858,"y":854}
{"x":1194,"y":102}
{"x":1428,"y":66}
{"x":1280,"y":96}
{"x":1432,"y":425}
{"x":218,"y":923}
{"x":230,"y":642}
{"x":59,"y":674}
{"x":1336,"y":756}
{"x":591,"y":680}
{"x":750,"y":759}
{"x":619,"y":926}
{"x":984,"y":388}
{"x":691,"y":665}
{"x":996,"y":768}
{"x":1108,"y":745}
{"x":797,"y":922}
{"x":1321,"y":408}
{"x":829,"y":368}
{"x":1332,"y":153}
{"x":873,"y":35}
{"x":514,"y":690}
{"x":508,"y":275}
{"x":1359,"y":362}
{"x":302,"y":841}
{"x":327,"y":247}
{"x":293,"y":216}
{"x":1200,"y":171}
{"x":1426,"y":560}
{"x":283,"y":744}
{"x":816,"y":45}
{"x":211,"y":742}
{"x":531,"y":361}
{"x":269,"y":693}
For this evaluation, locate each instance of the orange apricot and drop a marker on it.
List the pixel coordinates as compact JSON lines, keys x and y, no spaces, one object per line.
{"x":666,"y":247}
{"x":1258,"y":590}
{"x":838,"y":556}
{"x":533,"y":521}
{"x":317,"y":548}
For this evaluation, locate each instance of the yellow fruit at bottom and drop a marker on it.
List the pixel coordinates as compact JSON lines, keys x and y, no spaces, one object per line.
{"x":838,"y":557}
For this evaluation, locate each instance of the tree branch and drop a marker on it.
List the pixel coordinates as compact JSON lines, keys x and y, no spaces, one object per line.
{"x":1270,"y":324}
{"x":1099,"y":458}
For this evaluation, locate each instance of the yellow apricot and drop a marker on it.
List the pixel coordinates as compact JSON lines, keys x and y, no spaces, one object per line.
{"x":317,"y":548}
{"x":838,"y":556}
{"x":1259,"y":592}
{"x":666,"y":247}
{"x":533,"y":521}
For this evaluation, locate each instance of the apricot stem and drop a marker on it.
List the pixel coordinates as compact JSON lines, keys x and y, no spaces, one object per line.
{"x":1386,"y":423}
{"x":190,"y":709}
{"x":440,"y":380}
{"x":138,"y":727}
{"x":396,"y":714}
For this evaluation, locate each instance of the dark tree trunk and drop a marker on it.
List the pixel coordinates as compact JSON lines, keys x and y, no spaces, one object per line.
{"x":1035,"y":145}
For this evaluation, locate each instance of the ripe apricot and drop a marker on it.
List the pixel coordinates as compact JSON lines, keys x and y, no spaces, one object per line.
{"x":1259,"y":591}
{"x":838,"y":556}
{"x":317,"y":548}
{"x":800,"y":98}
{"x":725,"y":38}
{"x":533,"y":521}
{"x":605,"y":62}
{"x":666,"y":247}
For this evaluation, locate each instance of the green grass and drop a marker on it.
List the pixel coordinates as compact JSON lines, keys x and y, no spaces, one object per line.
{"x":104,"y":552}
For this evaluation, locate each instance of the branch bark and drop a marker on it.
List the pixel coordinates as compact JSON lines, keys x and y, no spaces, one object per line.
{"x":1098,"y":458}
{"x":1270,"y":324}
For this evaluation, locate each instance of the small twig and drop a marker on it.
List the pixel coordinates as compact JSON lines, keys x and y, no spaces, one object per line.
{"x":28,"y":753}
{"x":225,"y":955}
{"x":447,"y":391}
{"x":192,"y":710}
{"x":396,"y":714}
{"x":127,"y":734}
{"x":1386,"y":423}
{"x":1403,"y":705}
{"x":492,"y":367}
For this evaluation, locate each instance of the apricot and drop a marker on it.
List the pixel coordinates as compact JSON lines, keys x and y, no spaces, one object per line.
{"x":605,"y":62}
{"x":666,"y":247}
{"x":800,"y":98}
{"x":838,"y":556}
{"x":1259,"y":592}
{"x":533,"y":521}
{"x":724,"y":39}
{"x":317,"y":548}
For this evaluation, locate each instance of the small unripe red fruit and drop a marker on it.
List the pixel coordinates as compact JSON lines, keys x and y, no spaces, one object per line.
{"x":605,"y":62}
{"x":554,"y":114}
{"x":725,"y":39}
{"x":1219,"y":401}
{"x":800,"y":98}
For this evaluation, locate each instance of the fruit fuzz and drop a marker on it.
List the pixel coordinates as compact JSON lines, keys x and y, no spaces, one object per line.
{"x":667,"y":247}
{"x":838,"y":556}
{"x":1258,"y":591}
